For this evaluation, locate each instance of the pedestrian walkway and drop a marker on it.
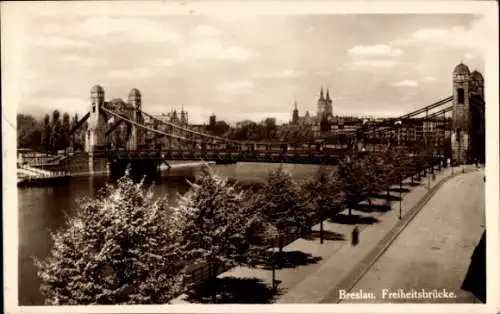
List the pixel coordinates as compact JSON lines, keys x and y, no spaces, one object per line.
{"x":325,"y":265}
{"x":340,"y":270}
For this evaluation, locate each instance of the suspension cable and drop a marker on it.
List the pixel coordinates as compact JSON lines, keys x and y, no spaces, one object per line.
{"x":188,"y":130}
{"x":210,"y":136}
{"x":148,"y":128}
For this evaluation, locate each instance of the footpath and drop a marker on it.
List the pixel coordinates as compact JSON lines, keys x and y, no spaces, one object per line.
{"x":337,"y":264}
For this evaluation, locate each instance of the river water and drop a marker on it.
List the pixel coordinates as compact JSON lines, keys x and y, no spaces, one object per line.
{"x":43,"y":209}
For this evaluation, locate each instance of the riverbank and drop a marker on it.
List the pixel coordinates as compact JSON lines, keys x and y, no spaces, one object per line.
{"x":183,"y":164}
{"x":178,"y":164}
{"x":42,"y":181}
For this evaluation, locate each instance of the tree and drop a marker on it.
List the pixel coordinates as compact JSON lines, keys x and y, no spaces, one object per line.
{"x":269,"y":128}
{"x":76,"y":137}
{"x":386,"y":172}
{"x":282,"y":204}
{"x":218,"y":128}
{"x":65,"y":128}
{"x":325,"y":195}
{"x":116,"y":249}
{"x":355,"y":180}
{"x":29,"y":132}
{"x":378,"y":172}
{"x":211,"y":223}
{"x":46,"y":134}
{"x":56,"y":134}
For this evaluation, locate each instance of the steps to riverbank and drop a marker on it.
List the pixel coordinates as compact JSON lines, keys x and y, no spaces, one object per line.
{"x":36,"y":173}
{"x":336,"y":262}
{"x":32,"y":176}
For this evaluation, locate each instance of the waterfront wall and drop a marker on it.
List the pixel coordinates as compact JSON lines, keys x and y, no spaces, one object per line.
{"x":79,"y":163}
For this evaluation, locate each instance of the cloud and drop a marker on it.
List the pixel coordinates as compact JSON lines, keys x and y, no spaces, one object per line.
{"x":130,"y":29}
{"x":373,"y":64}
{"x":476,"y":36}
{"x":83,"y":60}
{"x":165,"y":62}
{"x":375,"y":50}
{"x":55,"y":42}
{"x":135,"y":73}
{"x":290,"y":73}
{"x":237,"y":87}
{"x":214,"y":49}
{"x":204,"y":30}
{"x":42,"y":105}
{"x":430,"y":79}
{"x":51,"y":29}
{"x":406,"y":83}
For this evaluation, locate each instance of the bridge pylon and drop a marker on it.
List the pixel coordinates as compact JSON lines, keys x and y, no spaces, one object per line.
{"x":468,"y":111}
{"x":136,"y":138}
{"x":96,"y":124}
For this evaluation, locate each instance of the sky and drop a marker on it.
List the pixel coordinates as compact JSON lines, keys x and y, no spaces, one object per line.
{"x":243,"y":67}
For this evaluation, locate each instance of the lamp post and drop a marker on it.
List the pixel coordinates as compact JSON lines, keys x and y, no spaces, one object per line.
{"x":397,"y":124}
{"x":400,"y":195}
{"x":273,"y":266}
{"x":429,"y":181}
{"x":374,"y":137}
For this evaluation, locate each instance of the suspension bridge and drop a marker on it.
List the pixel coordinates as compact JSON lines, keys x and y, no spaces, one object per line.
{"x":147,"y":145}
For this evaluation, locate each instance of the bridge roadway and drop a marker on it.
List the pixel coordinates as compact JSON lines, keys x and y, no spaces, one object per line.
{"x":326,"y":156}
{"x":223,"y":156}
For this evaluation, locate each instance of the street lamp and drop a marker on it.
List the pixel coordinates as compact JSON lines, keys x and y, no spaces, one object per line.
{"x":400,"y":195}
{"x":397,"y":124}
{"x":428,"y":180}
{"x":273,"y":265}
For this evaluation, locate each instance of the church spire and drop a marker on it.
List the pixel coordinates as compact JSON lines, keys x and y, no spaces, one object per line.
{"x":295,"y":114}
{"x":321,"y":94}
{"x":327,"y":94}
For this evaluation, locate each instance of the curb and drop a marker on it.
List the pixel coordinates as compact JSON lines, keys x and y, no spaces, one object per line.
{"x":376,"y":252}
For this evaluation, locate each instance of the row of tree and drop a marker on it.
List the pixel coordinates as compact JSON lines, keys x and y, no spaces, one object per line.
{"x":50,"y":134}
{"x":125,"y":247}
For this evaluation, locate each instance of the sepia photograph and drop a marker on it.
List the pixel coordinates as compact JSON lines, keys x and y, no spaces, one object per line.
{"x":184,"y":155}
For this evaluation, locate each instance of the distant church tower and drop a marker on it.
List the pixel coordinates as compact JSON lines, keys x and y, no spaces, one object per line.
{"x":328,"y":104}
{"x":295,"y":114}
{"x":184,"y":117}
{"x":321,"y":105}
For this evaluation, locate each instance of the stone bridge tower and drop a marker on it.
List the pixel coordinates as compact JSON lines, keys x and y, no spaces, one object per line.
{"x":95,"y":136}
{"x":468,"y":115}
{"x":96,"y":121}
{"x":136,"y":138}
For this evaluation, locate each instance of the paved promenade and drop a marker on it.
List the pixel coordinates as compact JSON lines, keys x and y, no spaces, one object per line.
{"x":434,"y":251}
{"x":333,"y":263}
